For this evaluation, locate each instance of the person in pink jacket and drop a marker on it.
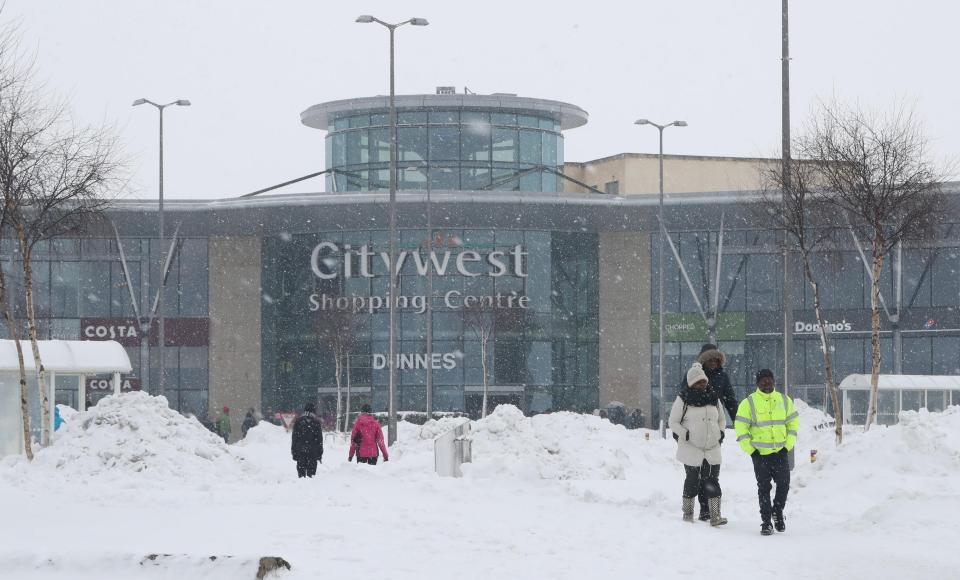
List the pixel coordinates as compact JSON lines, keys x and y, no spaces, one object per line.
{"x":366,"y":441}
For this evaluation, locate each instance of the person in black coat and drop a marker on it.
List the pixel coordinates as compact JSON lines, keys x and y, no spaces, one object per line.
{"x":307,"y":441}
{"x":713,"y":362}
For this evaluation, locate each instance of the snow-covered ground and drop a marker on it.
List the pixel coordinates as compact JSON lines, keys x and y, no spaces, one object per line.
{"x":553,"y":496}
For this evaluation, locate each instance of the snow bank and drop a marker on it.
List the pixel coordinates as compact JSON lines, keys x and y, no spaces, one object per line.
{"x":555,"y":446}
{"x":135,"y":435}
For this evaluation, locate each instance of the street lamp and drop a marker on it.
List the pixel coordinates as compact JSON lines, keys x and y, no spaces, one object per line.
{"x":392,"y":356}
{"x":660,"y":326}
{"x":161,"y":338}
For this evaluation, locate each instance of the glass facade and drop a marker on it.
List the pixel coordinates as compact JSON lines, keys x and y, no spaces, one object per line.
{"x":445,"y":149}
{"x":922,"y":284}
{"x":542,"y":302}
{"x":81,"y":293}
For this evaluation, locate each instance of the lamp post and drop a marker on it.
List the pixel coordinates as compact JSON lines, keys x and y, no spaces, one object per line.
{"x":392,"y":355}
{"x":161,"y":337}
{"x":660,"y":325}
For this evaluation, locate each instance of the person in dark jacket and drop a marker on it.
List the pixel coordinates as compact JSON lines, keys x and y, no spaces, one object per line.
{"x":713,"y":362}
{"x":307,"y":441}
{"x":249,"y":422}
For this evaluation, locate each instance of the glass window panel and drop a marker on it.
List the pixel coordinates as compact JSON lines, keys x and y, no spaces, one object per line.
{"x":946,"y":355}
{"x":411,"y":118}
{"x":94,"y":288}
{"x":357,"y":143}
{"x":412,"y":143}
{"x":444,"y":178}
{"x":505,"y":145}
{"x":379,"y":145}
{"x":946,"y":277}
{"x":916,"y":277}
{"x":916,"y":355}
{"x":444,"y":117}
{"x":911,"y":400}
{"x":444,"y":143}
{"x":528,"y":121}
{"x":339,"y":149}
{"x":380,"y":120}
{"x":509,"y":119}
{"x":549,"y":149}
{"x":531,"y":147}
{"x":341,"y":123}
{"x":476,"y":177}
{"x":359,"y":121}
{"x":936,"y":401}
{"x":476,"y":142}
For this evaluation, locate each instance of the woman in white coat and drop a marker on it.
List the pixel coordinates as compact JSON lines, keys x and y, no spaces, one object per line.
{"x":697,"y":422}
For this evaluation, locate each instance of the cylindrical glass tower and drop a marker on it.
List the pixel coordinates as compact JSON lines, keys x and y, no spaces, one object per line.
{"x":445,"y":142}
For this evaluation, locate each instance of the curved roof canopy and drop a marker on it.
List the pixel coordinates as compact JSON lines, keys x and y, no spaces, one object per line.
{"x":569,"y":116}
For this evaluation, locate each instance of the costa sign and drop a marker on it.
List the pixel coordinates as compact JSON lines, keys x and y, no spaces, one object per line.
{"x":329,"y":261}
{"x":128,"y":331}
{"x":101,"y":384}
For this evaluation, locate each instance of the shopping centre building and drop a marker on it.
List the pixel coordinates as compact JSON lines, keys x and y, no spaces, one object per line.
{"x":556,"y":257}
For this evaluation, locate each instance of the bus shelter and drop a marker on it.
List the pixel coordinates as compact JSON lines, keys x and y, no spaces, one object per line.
{"x":71,"y":358}
{"x":897,"y":393}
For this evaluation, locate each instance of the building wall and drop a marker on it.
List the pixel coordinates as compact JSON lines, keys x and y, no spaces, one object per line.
{"x":625,"y":320}
{"x":636,"y":173}
{"x":235,"y":296}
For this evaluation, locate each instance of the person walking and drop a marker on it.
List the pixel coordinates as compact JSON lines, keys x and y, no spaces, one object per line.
{"x":306,"y":445}
{"x":366,"y":440}
{"x":223,"y":424}
{"x":766,"y":424}
{"x":713,"y":361}
{"x":697,"y":422}
{"x":249,"y":422}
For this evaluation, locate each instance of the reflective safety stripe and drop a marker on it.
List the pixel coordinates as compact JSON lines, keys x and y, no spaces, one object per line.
{"x":771,"y":423}
{"x":744,"y":436}
{"x":792,"y":416}
{"x":759,"y":445}
{"x":791,"y":432}
{"x":743,"y":419}
{"x":753,"y":409}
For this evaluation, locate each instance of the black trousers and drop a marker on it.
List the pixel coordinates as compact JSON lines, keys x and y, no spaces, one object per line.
{"x":367,"y":460}
{"x":767,"y":468}
{"x":306,"y":467}
{"x":703,"y":480}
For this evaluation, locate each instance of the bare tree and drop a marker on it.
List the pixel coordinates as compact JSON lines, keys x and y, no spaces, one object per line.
{"x":336,"y":329}
{"x":794,"y":204}
{"x":879,"y":175}
{"x":480,"y":318}
{"x":55,"y":177}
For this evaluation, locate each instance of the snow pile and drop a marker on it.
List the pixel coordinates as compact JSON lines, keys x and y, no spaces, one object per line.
{"x":134,"y":434}
{"x":563,"y":445}
{"x":436,"y":427}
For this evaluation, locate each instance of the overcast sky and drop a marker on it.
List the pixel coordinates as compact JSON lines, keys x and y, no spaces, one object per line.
{"x":251,"y":67}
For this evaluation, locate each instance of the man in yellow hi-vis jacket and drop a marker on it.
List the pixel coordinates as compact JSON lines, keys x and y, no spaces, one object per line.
{"x":766,"y":426}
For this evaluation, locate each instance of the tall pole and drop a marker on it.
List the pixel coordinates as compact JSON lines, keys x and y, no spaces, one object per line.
{"x":159,"y":390}
{"x":429,"y":305}
{"x":392,"y":364}
{"x":785,"y":160}
{"x":161,"y":387}
{"x":392,"y":268}
{"x":660,"y":325}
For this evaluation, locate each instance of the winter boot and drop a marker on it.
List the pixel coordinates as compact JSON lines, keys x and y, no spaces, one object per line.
{"x":778,"y":522}
{"x":766,"y":529}
{"x":704,"y":512}
{"x":715,"y":518}
{"x":688,"y":509}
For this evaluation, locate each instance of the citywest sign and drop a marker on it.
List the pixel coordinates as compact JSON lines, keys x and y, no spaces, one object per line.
{"x":326,"y":265}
